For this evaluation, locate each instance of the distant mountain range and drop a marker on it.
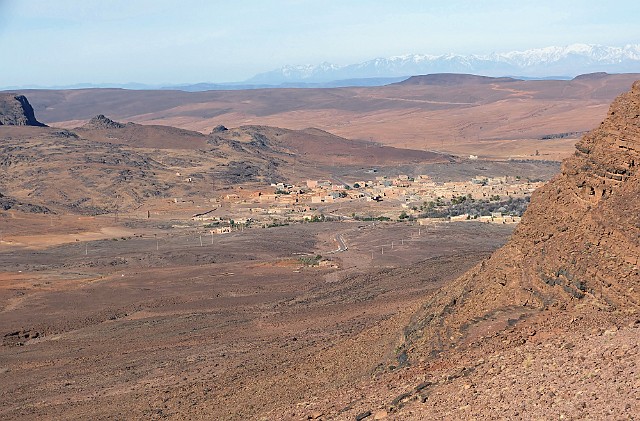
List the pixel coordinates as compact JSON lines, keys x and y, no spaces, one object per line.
{"x":559,"y":62}
{"x":541,"y":63}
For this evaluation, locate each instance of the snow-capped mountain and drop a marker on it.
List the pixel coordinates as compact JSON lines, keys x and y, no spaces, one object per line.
{"x":567,"y":61}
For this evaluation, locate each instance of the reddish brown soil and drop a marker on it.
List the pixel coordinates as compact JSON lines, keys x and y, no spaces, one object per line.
{"x":229,"y":330}
{"x":147,"y":136}
{"x":551,"y":373}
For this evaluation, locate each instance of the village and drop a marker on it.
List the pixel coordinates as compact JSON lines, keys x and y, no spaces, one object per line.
{"x":400,"y":198}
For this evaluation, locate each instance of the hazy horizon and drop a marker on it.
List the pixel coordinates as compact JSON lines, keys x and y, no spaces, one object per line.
{"x":161,"y":43}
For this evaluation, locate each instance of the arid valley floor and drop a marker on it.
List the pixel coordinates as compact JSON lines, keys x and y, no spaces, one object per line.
{"x":120,"y":328}
{"x":243,"y":265}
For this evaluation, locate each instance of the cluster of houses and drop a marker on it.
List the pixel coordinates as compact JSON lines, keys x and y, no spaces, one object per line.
{"x":282,"y":202}
{"x":404,"y":189}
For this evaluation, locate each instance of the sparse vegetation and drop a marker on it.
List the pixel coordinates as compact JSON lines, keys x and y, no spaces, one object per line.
{"x":476,"y":208}
{"x":277,"y":224}
{"x":563,"y":135}
{"x":311,"y":260}
{"x":318,"y":218}
{"x":371,"y":218}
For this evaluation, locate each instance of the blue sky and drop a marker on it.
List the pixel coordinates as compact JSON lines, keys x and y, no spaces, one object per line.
{"x":60,"y":42}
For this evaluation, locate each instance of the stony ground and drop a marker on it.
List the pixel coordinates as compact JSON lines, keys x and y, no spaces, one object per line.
{"x":117,"y":329}
{"x":523,"y":373}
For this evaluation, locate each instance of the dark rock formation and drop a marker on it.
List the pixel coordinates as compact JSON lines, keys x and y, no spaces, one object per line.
{"x":219,"y":129}
{"x":7,"y":203}
{"x":15,"y":110}
{"x":102,"y":122}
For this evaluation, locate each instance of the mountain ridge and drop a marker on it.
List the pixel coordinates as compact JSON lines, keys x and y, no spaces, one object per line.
{"x":546,"y":63}
{"x":568,"y":61}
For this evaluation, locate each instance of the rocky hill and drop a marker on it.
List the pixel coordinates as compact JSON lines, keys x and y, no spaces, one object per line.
{"x":577,"y":247}
{"x":105,"y":166}
{"x":15,"y":110}
{"x":104,"y":129}
{"x":102,"y":122}
{"x":314,"y":146}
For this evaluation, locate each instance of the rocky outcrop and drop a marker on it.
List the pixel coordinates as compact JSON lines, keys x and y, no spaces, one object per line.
{"x":219,"y":129}
{"x":101,"y":122}
{"x":15,"y":110}
{"x":592,"y":76}
{"x":7,"y":203}
{"x":577,"y":248}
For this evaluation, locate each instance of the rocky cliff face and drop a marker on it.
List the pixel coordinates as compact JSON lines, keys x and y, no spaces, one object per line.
{"x":15,"y":110}
{"x":577,"y":248}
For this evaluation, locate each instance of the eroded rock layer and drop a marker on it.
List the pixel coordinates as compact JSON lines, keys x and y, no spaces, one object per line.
{"x":577,"y":247}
